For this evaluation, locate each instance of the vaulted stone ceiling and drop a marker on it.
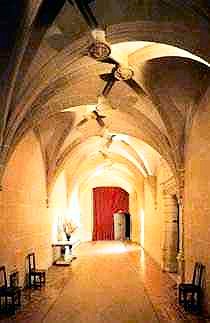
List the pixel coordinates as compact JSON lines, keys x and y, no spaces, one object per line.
{"x":52,"y":85}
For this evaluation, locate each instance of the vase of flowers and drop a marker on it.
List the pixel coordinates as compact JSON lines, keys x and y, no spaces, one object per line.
{"x":69,"y":228}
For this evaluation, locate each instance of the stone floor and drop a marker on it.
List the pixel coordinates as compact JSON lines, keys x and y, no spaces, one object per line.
{"x":108,"y":282}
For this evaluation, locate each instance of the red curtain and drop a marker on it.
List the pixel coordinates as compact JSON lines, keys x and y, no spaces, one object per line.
{"x":107,"y":201}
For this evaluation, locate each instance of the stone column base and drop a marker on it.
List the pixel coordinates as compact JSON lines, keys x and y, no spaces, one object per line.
{"x":169,"y":261}
{"x":181,"y":267}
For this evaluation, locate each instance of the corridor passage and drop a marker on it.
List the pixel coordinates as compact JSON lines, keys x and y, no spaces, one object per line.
{"x":109,"y":282}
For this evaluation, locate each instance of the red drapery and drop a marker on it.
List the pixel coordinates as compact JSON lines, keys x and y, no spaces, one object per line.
{"x":107,"y":201}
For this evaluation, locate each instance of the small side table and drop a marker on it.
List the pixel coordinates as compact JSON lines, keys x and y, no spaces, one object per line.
{"x":63,"y":260}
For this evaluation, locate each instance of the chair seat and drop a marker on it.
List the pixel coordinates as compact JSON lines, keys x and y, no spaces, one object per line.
{"x":188,"y":287}
{"x":12,"y":290}
{"x":38,"y":271}
{"x":2,"y":290}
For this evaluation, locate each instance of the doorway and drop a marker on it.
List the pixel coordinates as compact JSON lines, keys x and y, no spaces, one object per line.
{"x":127,"y":226}
{"x":107,"y":201}
{"x":121,"y":225}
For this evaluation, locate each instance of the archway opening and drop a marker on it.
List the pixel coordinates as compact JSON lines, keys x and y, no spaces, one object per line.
{"x":106,"y":202}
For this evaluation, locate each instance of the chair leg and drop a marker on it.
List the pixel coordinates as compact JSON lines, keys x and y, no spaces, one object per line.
{"x":197,"y":302}
{"x":180,"y":297}
{"x":29,"y":280}
{"x":6,"y":304}
{"x":0,"y":303}
{"x":199,"y":295}
{"x":13,"y":304}
{"x":40,"y":281}
{"x":19,"y":298}
{"x":35,"y":281}
{"x":44,"y":278}
{"x":185,"y":301}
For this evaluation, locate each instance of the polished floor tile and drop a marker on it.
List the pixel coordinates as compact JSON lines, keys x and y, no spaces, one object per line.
{"x":110,"y":281}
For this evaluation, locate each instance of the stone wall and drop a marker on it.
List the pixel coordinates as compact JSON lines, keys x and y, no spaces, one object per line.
{"x":24,"y":221}
{"x":197,"y":198}
{"x":156,"y":214}
{"x":152,"y":223}
{"x":58,"y":208}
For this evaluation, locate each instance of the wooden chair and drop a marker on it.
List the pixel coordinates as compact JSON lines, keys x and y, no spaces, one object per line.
{"x":3,"y":285}
{"x":12,"y":292}
{"x":37,"y":277}
{"x":190,"y":294}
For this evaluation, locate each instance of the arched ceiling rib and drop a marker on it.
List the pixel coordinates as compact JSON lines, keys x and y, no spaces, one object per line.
{"x":155,"y":50}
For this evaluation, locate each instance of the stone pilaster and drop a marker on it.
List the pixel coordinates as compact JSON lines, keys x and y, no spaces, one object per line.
{"x":170,"y":233}
{"x":180,"y":256}
{"x":152,"y":181}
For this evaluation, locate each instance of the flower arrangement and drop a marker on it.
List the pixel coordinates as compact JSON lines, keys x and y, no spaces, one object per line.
{"x":69,"y":228}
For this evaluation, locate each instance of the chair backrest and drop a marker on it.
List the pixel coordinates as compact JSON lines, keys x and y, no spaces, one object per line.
{"x":14,"y":279}
{"x":31,"y":261}
{"x":197,"y":274}
{"x":3,"y":277}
